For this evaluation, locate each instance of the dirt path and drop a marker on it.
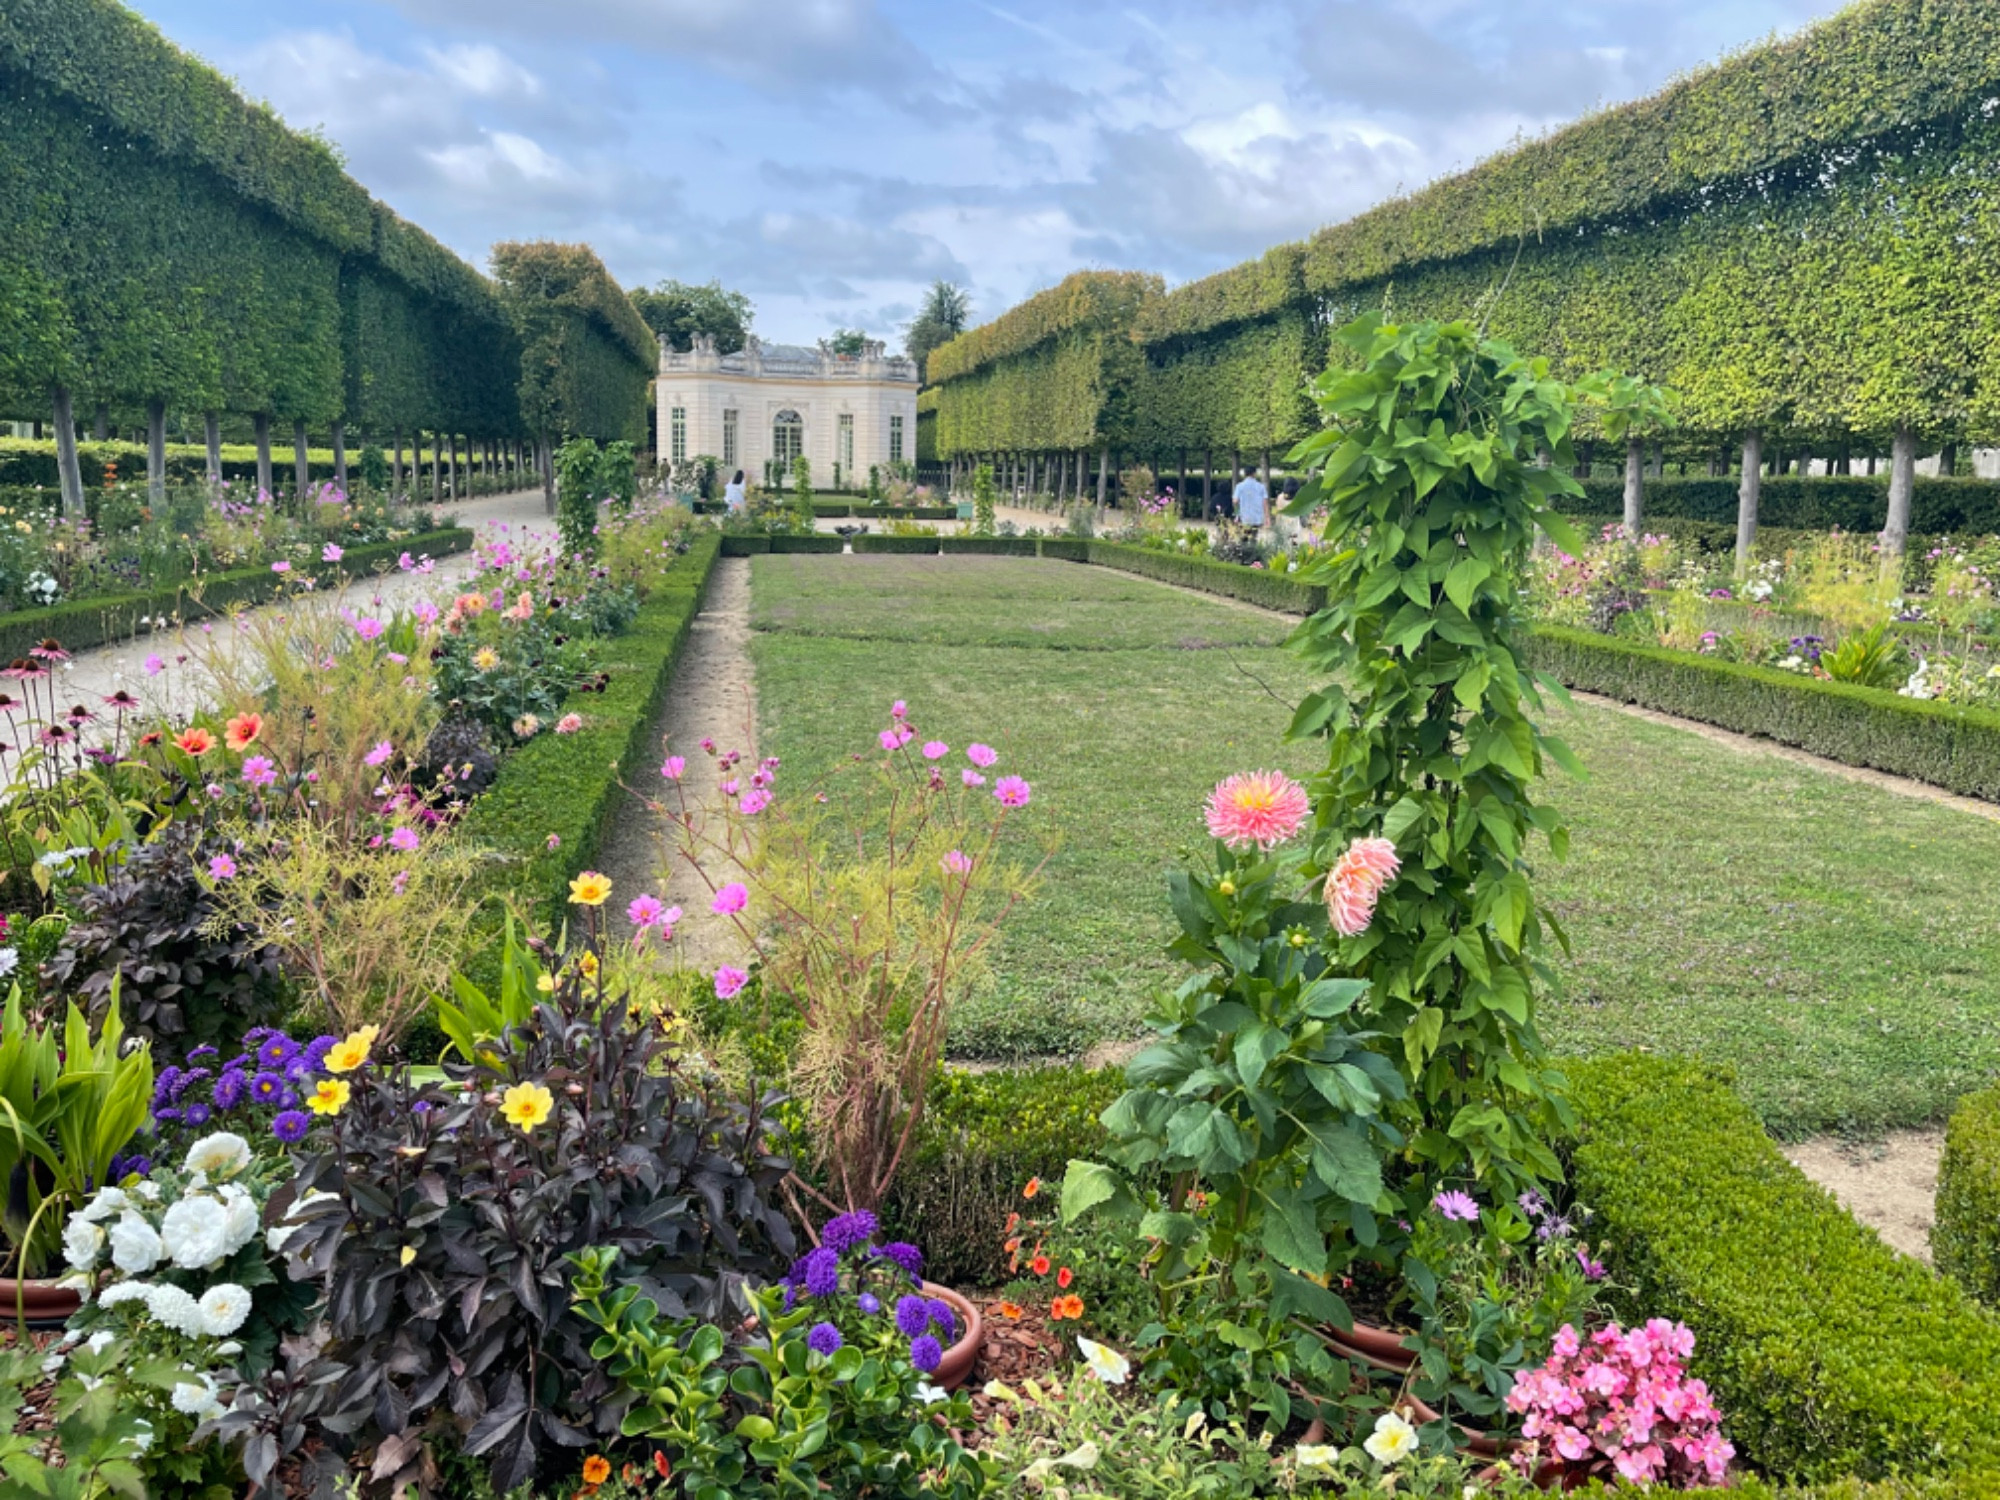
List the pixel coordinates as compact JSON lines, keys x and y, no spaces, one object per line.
{"x":1889,"y":1185}
{"x":713,"y":696}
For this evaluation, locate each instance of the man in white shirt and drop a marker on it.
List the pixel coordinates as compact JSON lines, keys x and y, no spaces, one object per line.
{"x":1250,"y":498}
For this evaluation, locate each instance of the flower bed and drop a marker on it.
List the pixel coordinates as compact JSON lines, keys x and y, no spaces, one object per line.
{"x":1966,"y":1240}
{"x":568,"y":788}
{"x":107,"y":619}
{"x":1832,"y":1354}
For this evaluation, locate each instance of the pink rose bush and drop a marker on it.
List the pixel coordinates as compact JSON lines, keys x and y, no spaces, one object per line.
{"x":1621,"y":1402}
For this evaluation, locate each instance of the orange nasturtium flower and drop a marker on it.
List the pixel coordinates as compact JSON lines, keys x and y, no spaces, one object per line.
{"x":196,"y":741}
{"x":241,"y":732}
{"x":596,"y":1469}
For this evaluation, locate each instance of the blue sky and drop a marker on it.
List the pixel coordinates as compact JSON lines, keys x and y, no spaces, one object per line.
{"x":831,"y":157}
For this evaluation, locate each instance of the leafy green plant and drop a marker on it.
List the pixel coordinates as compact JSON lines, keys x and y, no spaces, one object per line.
{"x":1966,"y":1238}
{"x":102,"y":1442}
{"x":475,"y":1022}
{"x":579,"y":488}
{"x":982,"y":500}
{"x":802,"y":494}
{"x":1868,"y":658}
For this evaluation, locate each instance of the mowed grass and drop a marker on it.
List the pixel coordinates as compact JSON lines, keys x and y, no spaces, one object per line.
{"x":1833,"y":943}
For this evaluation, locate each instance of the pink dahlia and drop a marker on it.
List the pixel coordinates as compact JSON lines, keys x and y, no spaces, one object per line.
{"x":1356,"y":881}
{"x":1264,"y":808}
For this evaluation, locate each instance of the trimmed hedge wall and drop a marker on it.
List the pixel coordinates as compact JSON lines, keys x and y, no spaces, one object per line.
{"x":1829,"y":1354}
{"x":1853,"y":502}
{"x":1955,"y":748}
{"x":110,"y":618}
{"x":1068,"y":548}
{"x":569,"y":785}
{"x":808,"y":544}
{"x":1966,"y":1238}
{"x":874,"y":543}
{"x":738,"y":544}
{"x":1005,"y":546}
{"x":1251,"y":585}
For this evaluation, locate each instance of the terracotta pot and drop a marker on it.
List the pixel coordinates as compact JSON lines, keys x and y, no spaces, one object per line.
{"x":1551,"y":1473}
{"x":957,"y":1363}
{"x":1379,"y":1347}
{"x":45,"y":1304}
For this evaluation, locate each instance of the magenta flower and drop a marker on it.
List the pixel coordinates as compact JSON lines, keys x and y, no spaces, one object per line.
{"x":406,"y":562}
{"x":731,"y":899}
{"x":899,"y":709}
{"x":222,"y":867}
{"x":972,"y":778}
{"x":281,"y":566}
{"x":1264,"y":808}
{"x":405,"y":840}
{"x":936,"y":750}
{"x":554,"y":842}
{"x":754,"y":801}
{"x":1011,"y":791}
{"x":259,"y":771}
{"x":330,"y":553}
{"x":368,"y":627}
{"x":645,"y":911}
{"x":1456,"y":1206}
{"x":382,"y":751}
{"x":1593,"y":1270}
{"x":888,"y":739}
{"x":729,"y":981}
{"x":154,"y":665}
{"x":981,"y":756}
{"x":672,"y":768}
{"x":957,"y":862}
{"x":708,"y":745}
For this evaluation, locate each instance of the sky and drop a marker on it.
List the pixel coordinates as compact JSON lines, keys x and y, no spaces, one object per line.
{"x":831,"y":158}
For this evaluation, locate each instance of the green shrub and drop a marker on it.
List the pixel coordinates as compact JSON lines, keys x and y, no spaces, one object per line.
{"x":1251,"y":585}
{"x":1004,"y":546}
{"x":1952,"y":747}
{"x":1067,"y":548}
{"x":1821,"y":502}
{"x":1829,"y":1354}
{"x":741,"y":544}
{"x":813,"y":543}
{"x":831,"y":510}
{"x":873,"y":543}
{"x":1966,"y":1241}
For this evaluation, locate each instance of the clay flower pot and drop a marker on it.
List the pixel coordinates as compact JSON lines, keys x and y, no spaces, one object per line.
{"x":1380,"y":1347}
{"x":44,"y":1304}
{"x":957,"y":1363}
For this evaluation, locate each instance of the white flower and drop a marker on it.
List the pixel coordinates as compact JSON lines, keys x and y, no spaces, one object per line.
{"x":108,"y":1201}
{"x":222,"y":1154}
{"x":83,"y":1242}
{"x":195,"y":1232}
{"x":1108,"y":1365}
{"x":10,"y":958}
{"x":224,"y":1306}
{"x":135,"y":1247}
{"x":243,"y":1217}
{"x":126,"y":1291}
{"x":930,"y":1394}
{"x":197,"y":1401}
{"x":52,"y":1364}
{"x":175,"y":1309}
{"x":1318,"y":1457}
{"x":1392,"y":1440}
{"x":96,"y":1342}
{"x":228,"y":1349}
{"x":150,"y":1191}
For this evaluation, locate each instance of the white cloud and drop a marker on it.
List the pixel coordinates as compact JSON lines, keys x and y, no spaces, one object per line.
{"x":484,"y":71}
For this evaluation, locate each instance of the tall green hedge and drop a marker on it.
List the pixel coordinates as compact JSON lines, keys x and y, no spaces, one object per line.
{"x":1857,"y":503}
{"x":586,"y":354}
{"x":1965,"y":1240}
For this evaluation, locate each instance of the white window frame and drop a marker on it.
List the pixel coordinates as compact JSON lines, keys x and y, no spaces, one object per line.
{"x":729,"y":420}
{"x":895,"y":437}
{"x":844,"y":445}
{"x":677,"y":433}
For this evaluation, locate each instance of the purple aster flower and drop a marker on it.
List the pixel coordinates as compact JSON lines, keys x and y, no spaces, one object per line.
{"x":942,"y":1315}
{"x":908,"y":1256}
{"x":196,"y":1113}
{"x":163,"y":1085}
{"x":1456,"y":1205}
{"x":276,"y":1050}
{"x":298,"y":1070}
{"x":256,"y":1034}
{"x":819,"y":1273}
{"x":823,"y":1339}
{"x":869,"y":1303}
{"x":267,"y":1088}
{"x":791,"y":1296}
{"x":187,"y":1079}
{"x":845,"y":1232}
{"x":926,"y":1353}
{"x":316,"y":1051}
{"x":167,"y":1116}
{"x":913,"y":1316}
{"x":291,"y":1126}
{"x":204,"y":1050}
{"x":229,"y":1089}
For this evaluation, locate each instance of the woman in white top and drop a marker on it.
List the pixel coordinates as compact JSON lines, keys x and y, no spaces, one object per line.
{"x":733,"y":497}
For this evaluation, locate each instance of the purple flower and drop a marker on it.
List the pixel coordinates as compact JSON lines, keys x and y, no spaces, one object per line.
{"x":196,"y":1114}
{"x":1456,"y":1205}
{"x":942,"y":1315}
{"x":913,"y":1316}
{"x":291,"y":1126}
{"x":1593,"y":1270}
{"x":205,"y":1050}
{"x":275,"y":1051}
{"x":314,"y":1056}
{"x":166,"y":1116}
{"x":229,"y":1089}
{"x":908,"y":1256}
{"x":819,"y":1272}
{"x":823,"y":1339}
{"x":869,"y":1303}
{"x":1533,"y":1204}
{"x":266,"y":1087}
{"x":1554,"y":1228}
{"x":848,"y":1230}
{"x":926,"y":1353}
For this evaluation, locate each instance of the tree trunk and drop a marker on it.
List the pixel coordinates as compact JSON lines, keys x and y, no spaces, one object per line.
{"x":340,"y":457}
{"x":211,"y":433}
{"x":1948,"y":461}
{"x":100,"y":429}
{"x":1635,"y":485}
{"x":437,"y":468}
{"x":68,"y":470}
{"x":396,"y":467}
{"x":547,"y":462}
{"x":156,"y":453}
{"x":301,"y":466}
{"x":1902,"y":487}
{"x":1264,"y":472}
{"x":1746,"y":498}
{"x":1103,"y":472}
{"x":260,"y":425}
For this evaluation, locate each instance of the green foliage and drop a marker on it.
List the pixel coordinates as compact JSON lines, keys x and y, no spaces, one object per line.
{"x":1947,"y":745}
{"x":802,"y":493}
{"x":847,"y":342}
{"x":1855,"y":503}
{"x":1252,"y":585}
{"x":101,"y":1439}
{"x":945,"y":312}
{"x":1867,"y":658}
{"x":877,"y":542}
{"x":579,"y":488}
{"x":678,"y":310}
{"x":1828,"y":1352}
{"x":1429,"y":473}
{"x":982,"y":500}
{"x":1966,"y":1237}
{"x":586,"y":355}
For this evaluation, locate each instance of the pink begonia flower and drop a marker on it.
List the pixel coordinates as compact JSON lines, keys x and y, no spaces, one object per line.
{"x":331,"y":553}
{"x":645,"y":911}
{"x":672,"y":767}
{"x":569,"y":723}
{"x":981,"y":756}
{"x":729,"y":981}
{"x":404,"y":839}
{"x":368,"y":627}
{"x":1264,"y":808}
{"x":1011,"y":791}
{"x":957,"y":862}
{"x":222,"y":867}
{"x":754,"y":801}
{"x":281,"y":566}
{"x":972,"y":778}
{"x":936,"y":750}
{"x":730,"y":899}
{"x":382,"y":751}
{"x":259,"y":771}
{"x":1356,"y":882}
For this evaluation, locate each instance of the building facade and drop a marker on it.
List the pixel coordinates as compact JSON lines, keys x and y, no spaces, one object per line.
{"x":776,"y":402}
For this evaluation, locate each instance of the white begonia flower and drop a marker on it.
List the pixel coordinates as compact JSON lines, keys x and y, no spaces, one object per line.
{"x":197,"y":1401}
{"x":108,"y":1202}
{"x":243,"y":1217}
{"x":195,"y":1232}
{"x":135,"y":1245}
{"x":224,"y":1307}
{"x":1108,"y":1365}
{"x":53,"y":1363}
{"x":222,"y":1154}
{"x":96,"y":1342}
{"x":1392,"y":1441}
{"x":78,"y":1282}
{"x":228,"y":1349}
{"x":83,"y":1242}
{"x":197,"y":1182}
{"x":175,"y":1309}
{"x":126,"y":1291}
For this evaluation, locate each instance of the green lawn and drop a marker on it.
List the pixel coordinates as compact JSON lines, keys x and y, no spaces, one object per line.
{"x":1831,"y":942}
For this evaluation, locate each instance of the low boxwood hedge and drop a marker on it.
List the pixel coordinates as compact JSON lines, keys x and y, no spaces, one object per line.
{"x":873,"y":543}
{"x":110,"y":618}
{"x":1068,"y":548}
{"x":1003,"y":546}
{"x":1829,"y":1354}
{"x":1251,"y":585}
{"x":569,"y":785}
{"x":814,"y":543}
{"x":1955,"y":748}
{"x":1817,"y":502}
{"x":741,"y":544}
{"x":1966,"y":1239}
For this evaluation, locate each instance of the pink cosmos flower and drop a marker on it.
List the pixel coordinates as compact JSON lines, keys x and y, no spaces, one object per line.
{"x":729,"y":981}
{"x":154,"y":665}
{"x":972,"y":778}
{"x":899,"y":709}
{"x":368,"y":627}
{"x":956,"y":863}
{"x":1011,"y":791}
{"x":281,"y":566}
{"x":1264,"y":808}
{"x":426,"y":612}
{"x":1456,"y":1206}
{"x":259,"y":771}
{"x":569,"y":723}
{"x":708,"y":745}
{"x":754,"y":801}
{"x":406,"y":562}
{"x":330,"y":553}
{"x":981,"y":756}
{"x":381,"y":753}
{"x":222,"y":867}
{"x":936,"y":750}
{"x":672,"y":767}
{"x":400,"y":881}
{"x":728,"y":788}
{"x":405,"y":840}
{"x":645,"y":911}
{"x":731,"y":899}
{"x":1356,"y":881}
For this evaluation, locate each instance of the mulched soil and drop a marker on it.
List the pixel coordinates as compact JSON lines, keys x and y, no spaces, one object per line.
{"x":35,"y":1413}
{"x":1017,"y":1349}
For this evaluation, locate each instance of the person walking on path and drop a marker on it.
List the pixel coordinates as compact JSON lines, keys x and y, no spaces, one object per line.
{"x":1250,"y":499}
{"x":733,"y":496}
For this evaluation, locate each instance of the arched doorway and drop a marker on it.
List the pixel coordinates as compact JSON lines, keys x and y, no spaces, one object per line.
{"x":788,"y":437}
